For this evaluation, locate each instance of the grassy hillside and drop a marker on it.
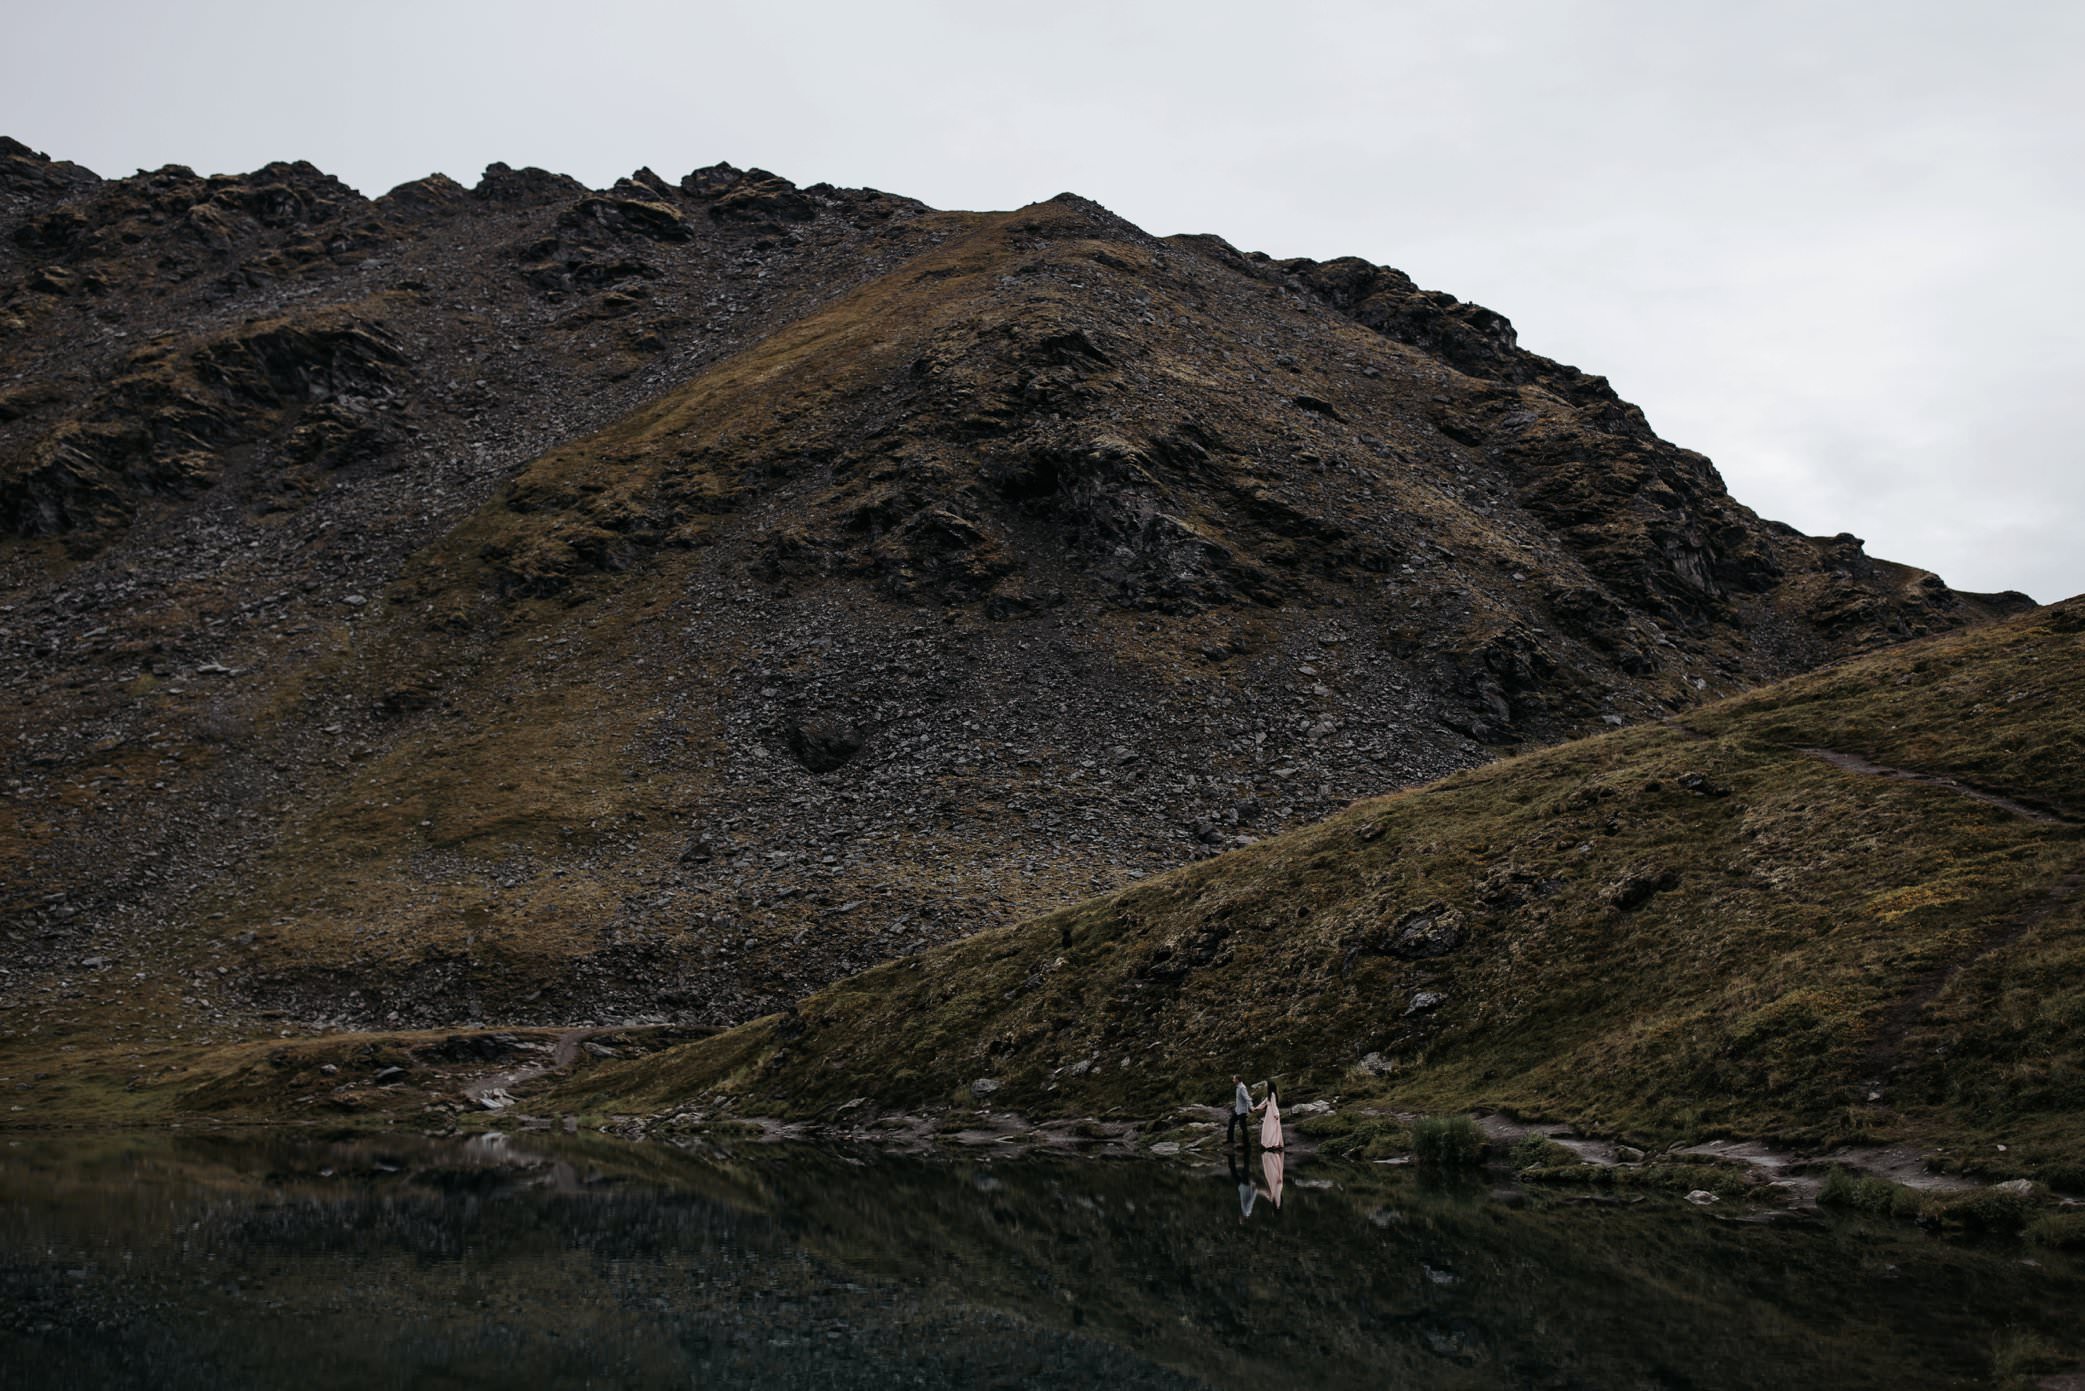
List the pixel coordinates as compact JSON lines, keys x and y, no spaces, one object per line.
{"x":1750,"y":922}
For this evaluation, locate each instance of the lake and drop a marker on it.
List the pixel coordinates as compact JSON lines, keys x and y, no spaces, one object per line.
{"x":263,"y":1259}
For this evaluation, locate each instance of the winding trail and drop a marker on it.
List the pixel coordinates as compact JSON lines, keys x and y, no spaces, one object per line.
{"x":1854,"y":763}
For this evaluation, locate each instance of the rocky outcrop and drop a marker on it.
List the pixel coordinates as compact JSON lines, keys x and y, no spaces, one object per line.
{"x":312,"y":393}
{"x":29,"y":178}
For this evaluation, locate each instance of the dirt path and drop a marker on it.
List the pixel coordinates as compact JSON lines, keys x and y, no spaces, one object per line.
{"x":1854,"y":763}
{"x":491,"y":1092}
{"x":1900,"y":1164}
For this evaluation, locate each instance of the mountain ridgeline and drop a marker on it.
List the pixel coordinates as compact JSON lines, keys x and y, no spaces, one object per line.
{"x":529,"y":603}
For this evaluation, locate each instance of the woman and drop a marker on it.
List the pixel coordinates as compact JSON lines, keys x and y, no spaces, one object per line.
{"x":1270,"y":1124}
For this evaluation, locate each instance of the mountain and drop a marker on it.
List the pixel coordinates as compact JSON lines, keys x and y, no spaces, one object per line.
{"x":530,"y":603}
{"x":1846,"y":907}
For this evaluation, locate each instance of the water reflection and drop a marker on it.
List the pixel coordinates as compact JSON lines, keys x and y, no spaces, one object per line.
{"x":219,"y":1262}
{"x":1272,"y":1163}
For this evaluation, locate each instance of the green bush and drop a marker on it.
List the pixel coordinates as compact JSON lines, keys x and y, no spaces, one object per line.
{"x":1539,"y":1152}
{"x":2065,"y":1176}
{"x":1724,"y":1180}
{"x":1447,"y":1142}
{"x":1864,"y":1193}
{"x":1986,"y":1210}
{"x":2065,"y":1231}
{"x":2021,"y":1353}
{"x":1348,"y":1135}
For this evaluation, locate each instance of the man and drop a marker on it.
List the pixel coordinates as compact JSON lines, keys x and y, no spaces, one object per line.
{"x":1241,"y":1113}
{"x":1246,"y":1189}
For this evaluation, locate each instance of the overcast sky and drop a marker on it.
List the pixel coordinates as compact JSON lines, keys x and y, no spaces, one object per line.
{"x":1834,"y":246}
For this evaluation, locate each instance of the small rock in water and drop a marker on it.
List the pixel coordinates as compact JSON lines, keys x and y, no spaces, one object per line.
{"x":1701,"y":1197}
{"x":1166,"y":1147}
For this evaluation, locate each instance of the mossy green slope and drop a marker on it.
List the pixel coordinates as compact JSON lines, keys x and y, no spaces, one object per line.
{"x":1673,"y":930}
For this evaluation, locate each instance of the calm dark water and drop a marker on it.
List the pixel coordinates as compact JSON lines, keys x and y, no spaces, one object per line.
{"x":283,"y":1260}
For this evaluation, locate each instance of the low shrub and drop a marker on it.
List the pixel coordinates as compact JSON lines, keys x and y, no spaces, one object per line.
{"x":1346,"y":1135}
{"x":1447,"y":1142}
{"x":2065,"y":1176}
{"x":1986,"y":1210}
{"x":1865,"y":1193}
{"x":2063,"y":1231}
{"x":1539,"y":1152}
{"x":2021,"y":1353}
{"x":1595,"y":1174}
{"x":1724,"y":1180}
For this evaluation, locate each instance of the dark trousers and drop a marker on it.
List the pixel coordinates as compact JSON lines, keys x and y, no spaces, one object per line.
{"x":1241,"y":1124}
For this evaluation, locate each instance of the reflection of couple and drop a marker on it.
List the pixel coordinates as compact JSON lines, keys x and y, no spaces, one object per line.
{"x":1272,"y":1156}
{"x":1271,"y":1164}
{"x":1241,"y":1116}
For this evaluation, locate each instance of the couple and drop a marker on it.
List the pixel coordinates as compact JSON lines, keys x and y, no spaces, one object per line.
{"x":1241,"y":1115}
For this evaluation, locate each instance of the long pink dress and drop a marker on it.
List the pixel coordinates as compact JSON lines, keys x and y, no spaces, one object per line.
{"x":1270,"y":1126}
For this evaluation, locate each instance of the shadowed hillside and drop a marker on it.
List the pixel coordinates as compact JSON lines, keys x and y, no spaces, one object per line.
{"x":1843,"y":907}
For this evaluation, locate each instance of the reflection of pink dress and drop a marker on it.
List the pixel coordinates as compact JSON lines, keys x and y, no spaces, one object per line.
{"x":1270,"y":1126}
{"x":1272,"y":1164}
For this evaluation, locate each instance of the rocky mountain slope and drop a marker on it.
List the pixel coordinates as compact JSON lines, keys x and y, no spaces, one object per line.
{"x":1847,"y":907}
{"x":530,"y":603}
